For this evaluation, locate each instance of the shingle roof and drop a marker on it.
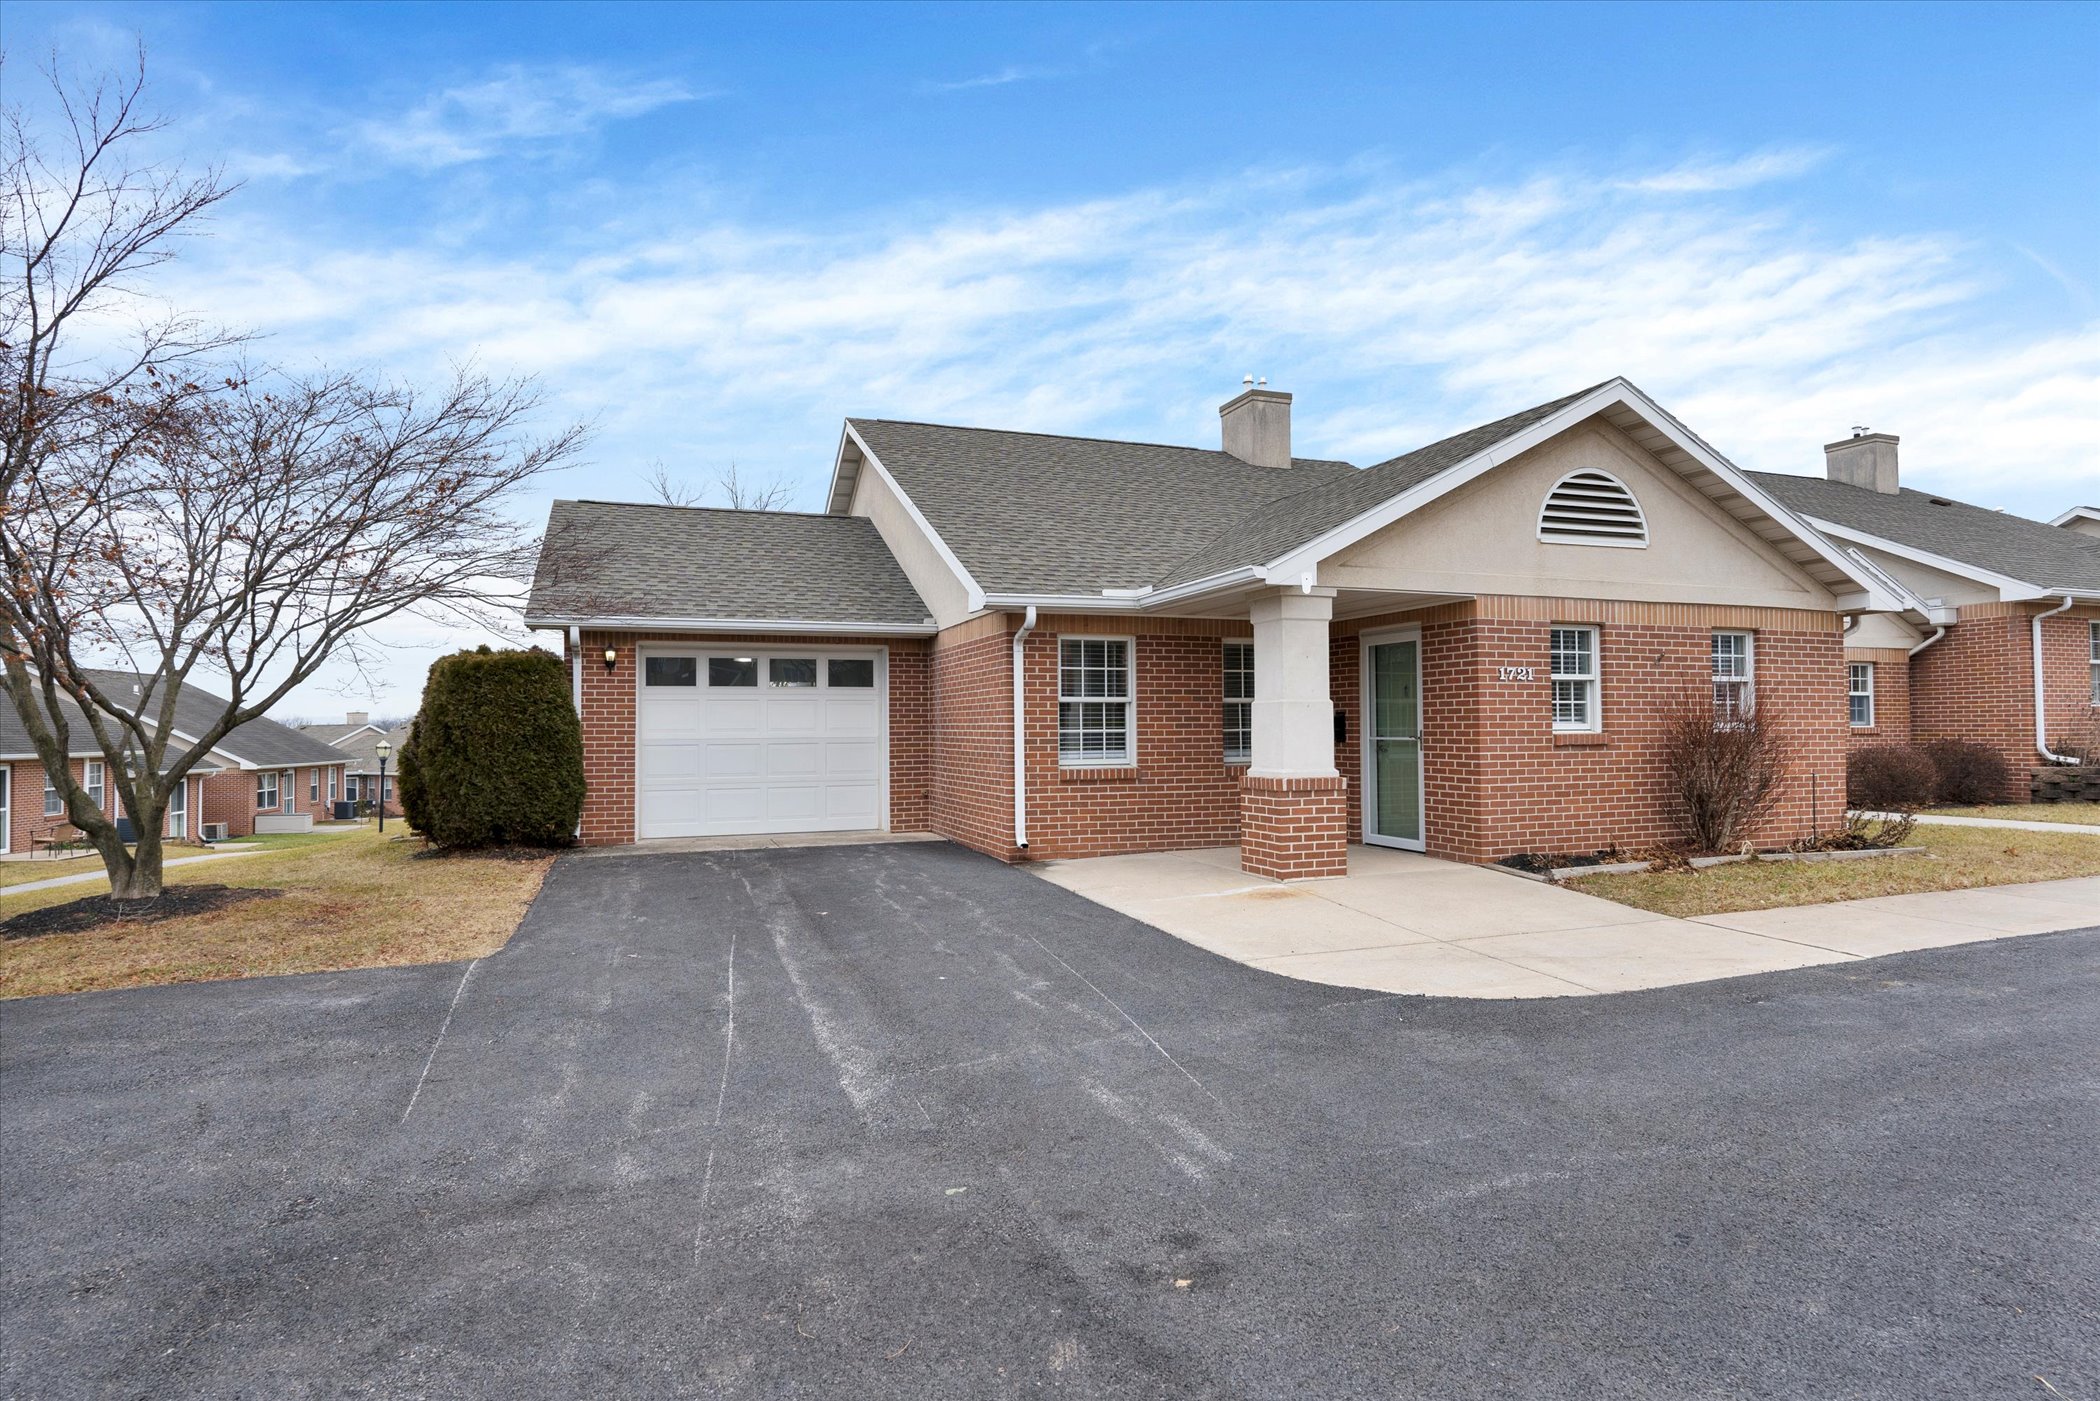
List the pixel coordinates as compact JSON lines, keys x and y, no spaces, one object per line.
{"x":261,"y":741}
{"x":607,"y":559}
{"x":331,"y":734}
{"x":358,"y":751}
{"x":1038,"y":513}
{"x":2022,"y":549}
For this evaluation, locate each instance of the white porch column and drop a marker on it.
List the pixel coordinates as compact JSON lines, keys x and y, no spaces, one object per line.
{"x":1293,"y":711}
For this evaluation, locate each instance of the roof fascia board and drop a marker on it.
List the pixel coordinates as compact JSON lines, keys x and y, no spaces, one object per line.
{"x":783,"y":625}
{"x":2014,"y":590}
{"x":1128,"y":600}
{"x":839,"y":480}
{"x":2078,"y":513}
{"x":869,"y":461}
{"x":1306,"y":558}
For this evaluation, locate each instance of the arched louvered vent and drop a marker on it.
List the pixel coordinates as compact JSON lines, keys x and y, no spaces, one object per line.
{"x":1592,"y":508}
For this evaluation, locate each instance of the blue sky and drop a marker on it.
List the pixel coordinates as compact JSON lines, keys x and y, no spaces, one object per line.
{"x":716,"y":231}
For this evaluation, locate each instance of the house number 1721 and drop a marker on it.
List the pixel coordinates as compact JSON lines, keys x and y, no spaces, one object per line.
{"x":1520,"y":673}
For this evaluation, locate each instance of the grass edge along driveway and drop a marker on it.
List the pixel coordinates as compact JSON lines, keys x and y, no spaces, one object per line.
{"x":355,"y":901}
{"x":1955,"y":858}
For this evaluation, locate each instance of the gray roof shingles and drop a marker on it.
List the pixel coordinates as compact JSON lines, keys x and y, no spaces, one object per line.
{"x":261,"y":741}
{"x":2005,"y":544}
{"x":607,"y":559}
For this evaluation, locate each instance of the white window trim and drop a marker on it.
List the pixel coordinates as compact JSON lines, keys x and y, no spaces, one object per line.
{"x":94,"y":777}
{"x":2093,"y":647}
{"x":54,"y":801}
{"x":1128,"y":759}
{"x":1594,"y":724}
{"x":1235,"y":757}
{"x":1749,"y":677}
{"x":313,"y":786}
{"x":1852,"y":669}
{"x":262,"y":775}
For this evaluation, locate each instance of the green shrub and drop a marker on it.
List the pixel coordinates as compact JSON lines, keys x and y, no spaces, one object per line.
{"x":1889,"y":778}
{"x":495,"y":757}
{"x":408,"y":782}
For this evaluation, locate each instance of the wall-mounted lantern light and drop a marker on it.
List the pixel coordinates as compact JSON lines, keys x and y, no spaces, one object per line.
{"x":612,"y":654}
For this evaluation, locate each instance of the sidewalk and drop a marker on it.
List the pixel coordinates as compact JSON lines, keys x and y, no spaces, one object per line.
{"x":1405,"y":923}
{"x":99,"y":874}
{"x":2013,"y":823}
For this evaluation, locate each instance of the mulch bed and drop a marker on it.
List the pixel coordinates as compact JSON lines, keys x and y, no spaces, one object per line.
{"x":488,"y":853}
{"x":174,"y":902}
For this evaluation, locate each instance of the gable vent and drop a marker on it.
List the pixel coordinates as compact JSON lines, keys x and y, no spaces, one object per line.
{"x":1592,"y":508}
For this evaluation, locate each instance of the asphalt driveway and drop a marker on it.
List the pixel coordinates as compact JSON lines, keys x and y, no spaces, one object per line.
{"x":898,"y":1121}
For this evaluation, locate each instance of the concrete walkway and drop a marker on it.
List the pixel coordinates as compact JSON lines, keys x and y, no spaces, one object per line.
{"x":2015,"y":823}
{"x":1406,"y":923}
{"x":99,"y":874}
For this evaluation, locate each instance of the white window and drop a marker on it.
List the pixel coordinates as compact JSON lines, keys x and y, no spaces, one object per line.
{"x":1574,"y":657}
{"x":54,"y":805}
{"x":1239,"y":702}
{"x":1592,"y":508}
{"x":2093,"y":649}
{"x":93,"y":783}
{"x":333,"y":776}
{"x":313,"y":785}
{"x":265,"y":791}
{"x":1734,"y":676}
{"x":1094,"y":705}
{"x":1859,"y":692}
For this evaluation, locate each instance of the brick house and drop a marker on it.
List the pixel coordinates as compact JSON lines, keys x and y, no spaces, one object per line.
{"x":358,"y":740}
{"x":1998,"y":640}
{"x":261,"y":768}
{"x":1045,"y":646}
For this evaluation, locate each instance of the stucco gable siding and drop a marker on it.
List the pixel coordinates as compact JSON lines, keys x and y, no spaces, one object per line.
{"x":1483,"y":539}
{"x":915,"y":553}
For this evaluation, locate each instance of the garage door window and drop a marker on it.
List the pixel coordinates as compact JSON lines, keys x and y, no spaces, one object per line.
{"x":669,"y":671}
{"x":791,"y":672}
{"x":732,"y":671}
{"x":852,"y":672}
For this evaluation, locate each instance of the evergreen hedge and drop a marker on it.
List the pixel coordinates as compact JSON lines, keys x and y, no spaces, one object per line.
{"x":495,"y":757}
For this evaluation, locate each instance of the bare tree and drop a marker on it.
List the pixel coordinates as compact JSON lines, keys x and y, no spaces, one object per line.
{"x":737,"y":491}
{"x":158,"y":519}
{"x":1725,"y":772}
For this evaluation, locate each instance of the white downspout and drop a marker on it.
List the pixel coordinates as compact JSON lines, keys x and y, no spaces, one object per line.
{"x":2041,"y":713}
{"x":1021,"y":733}
{"x":576,"y":669}
{"x":1937,"y":634}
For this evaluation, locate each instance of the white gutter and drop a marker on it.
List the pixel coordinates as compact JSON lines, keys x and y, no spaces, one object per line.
{"x":2041,"y":713}
{"x":780,"y":625}
{"x":1021,"y":733}
{"x":1937,"y":634}
{"x":576,"y":668}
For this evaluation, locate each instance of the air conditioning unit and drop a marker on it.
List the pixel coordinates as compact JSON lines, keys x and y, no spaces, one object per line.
{"x":214,"y":831}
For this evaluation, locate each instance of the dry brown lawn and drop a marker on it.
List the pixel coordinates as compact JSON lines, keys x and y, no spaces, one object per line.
{"x":2087,"y":813}
{"x":1956,"y":858}
{"x":355,"y":901}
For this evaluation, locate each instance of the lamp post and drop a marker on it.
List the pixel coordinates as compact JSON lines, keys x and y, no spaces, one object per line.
{"x":382,"y":749}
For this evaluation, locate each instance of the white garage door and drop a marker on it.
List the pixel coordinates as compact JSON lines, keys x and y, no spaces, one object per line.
{"x":735,"y":741}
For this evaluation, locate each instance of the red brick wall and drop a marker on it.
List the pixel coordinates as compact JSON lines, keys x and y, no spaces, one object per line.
{"x":1891,"y":697}
{"x":1498,"y":780}
{"x":25,"y":804}
{"x":971,"y":768}
{"x":608,"y":724}
{"x":1294,"y":828}
{"x":1977,"y":683}
{"x":226,"y":797}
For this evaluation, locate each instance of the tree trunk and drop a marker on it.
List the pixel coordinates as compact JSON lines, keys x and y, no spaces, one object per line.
{"x":135,"y":874}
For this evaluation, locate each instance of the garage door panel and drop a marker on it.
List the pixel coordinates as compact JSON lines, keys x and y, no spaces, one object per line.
{"x":722,"y":760}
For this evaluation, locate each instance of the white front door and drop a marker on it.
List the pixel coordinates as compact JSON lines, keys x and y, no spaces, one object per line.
{"x":737,"y":740}
{"x":179,"y":809}
{"x":1392,"y":742}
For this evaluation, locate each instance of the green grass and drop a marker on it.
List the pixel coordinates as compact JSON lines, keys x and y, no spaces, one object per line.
{"x":1955,"y":858}
{"x":89,"y":861}
{"x":2086,"y":813}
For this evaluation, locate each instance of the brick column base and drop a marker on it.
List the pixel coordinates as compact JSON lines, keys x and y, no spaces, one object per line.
{"x":1294,"y":828}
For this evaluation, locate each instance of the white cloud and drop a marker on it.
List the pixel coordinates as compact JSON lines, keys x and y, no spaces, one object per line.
{"x":517,"y":107}
{"x":1711,"y":176}
{"x":1398,"y":312}
{"x":1012,"y":73}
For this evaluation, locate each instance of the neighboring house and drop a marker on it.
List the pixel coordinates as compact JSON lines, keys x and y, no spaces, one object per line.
{"x":357,"y":738}
{"x":1046,"y":646}
{"x":2085,"y":520}
{"x":261,"y":767}
{"x":2000,"y":613}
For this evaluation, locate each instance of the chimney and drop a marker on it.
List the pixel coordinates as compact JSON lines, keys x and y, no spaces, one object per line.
{"x":1257,"y":425}
{"x":1863,"y":460}
{"x":358,"y":717}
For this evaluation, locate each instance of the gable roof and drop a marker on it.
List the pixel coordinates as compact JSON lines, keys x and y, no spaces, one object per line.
{"x":2011,"y":546}
{"x":357,"y":751}
{"x":1038,"y":513}
{"x":608,"y":561}
{"x":261,"y":743}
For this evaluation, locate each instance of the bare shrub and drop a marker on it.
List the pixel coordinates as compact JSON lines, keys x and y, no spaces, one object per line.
{"x":1724,"y":775}
{"x":1890,"y":778}
{"x":1862,"y":832}
{"x":1966,"y":773}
